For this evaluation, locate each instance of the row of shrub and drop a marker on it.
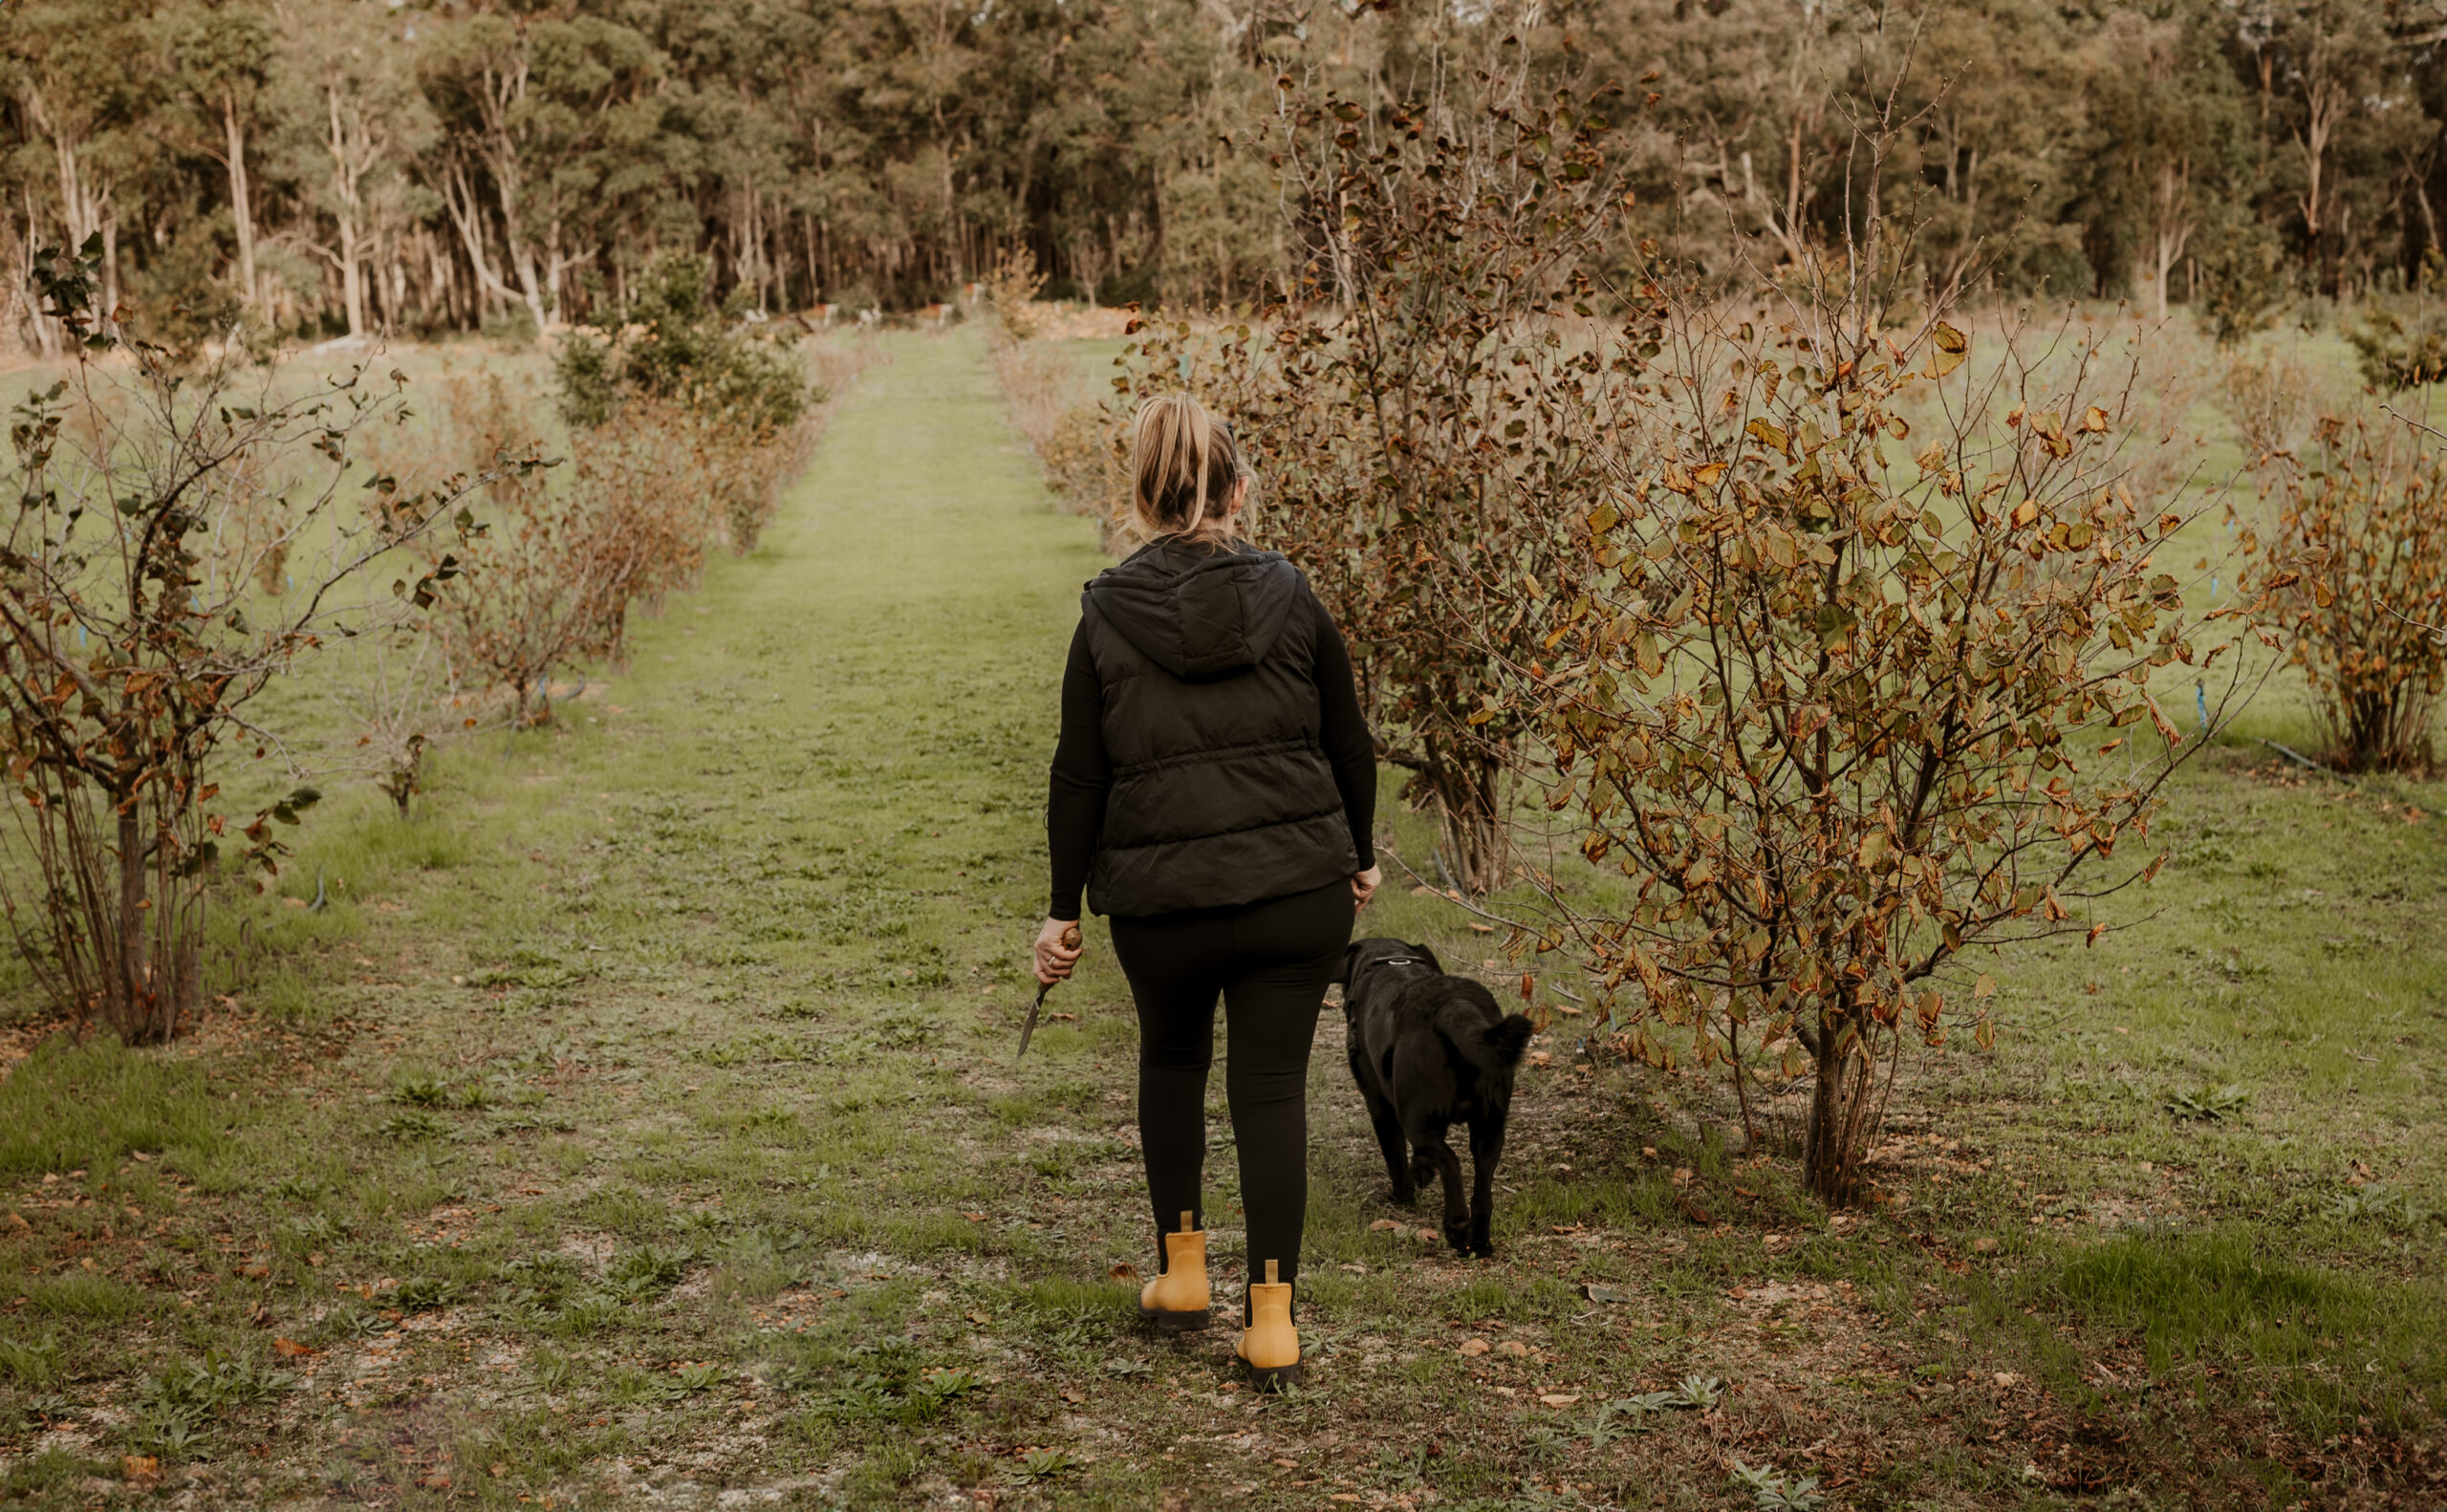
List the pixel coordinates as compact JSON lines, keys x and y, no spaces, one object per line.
{"x":191,"y":527}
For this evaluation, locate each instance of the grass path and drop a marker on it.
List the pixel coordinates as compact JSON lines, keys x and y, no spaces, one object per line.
{"x":639,"y":1128}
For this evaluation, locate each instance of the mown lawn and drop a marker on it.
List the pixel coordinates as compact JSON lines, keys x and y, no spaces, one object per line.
{"x":639,"y":1126}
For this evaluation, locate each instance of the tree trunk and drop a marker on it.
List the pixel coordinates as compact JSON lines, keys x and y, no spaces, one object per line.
{"x":351,"y":275}
{"x":458,"y":198}
{"x":241,"y":205}
{"x":130,"y":1000}
{"x":1832,"y":1138}
{"x":1467,"y":796}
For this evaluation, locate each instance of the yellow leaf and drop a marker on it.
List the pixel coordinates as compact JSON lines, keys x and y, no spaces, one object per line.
{"x":1768,"y":436}
{"x":1985,"y":987}
{"x":1949,"y":340}
{"x":1707,"y":476}
{"x":1872,"y":847}
{"x":2026,"y":512}
{"x":2094,"y":419}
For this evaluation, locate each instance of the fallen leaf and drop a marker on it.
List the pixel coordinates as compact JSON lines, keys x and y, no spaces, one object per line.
{"x":2007,"y":1378}
{"x":1384,"y":1226}
{"x":1288,"y":1464}
{"x":1598,"y":1293}
{"x":1425,"y":1236}
{"x":1481,"y":929}
{"x":1472,"y":1348}
{"x":974,"y":1217}
{"x":291,"y":1347}
{"x":1984,"y":1245}
{"x":1122,"y":1271}
{"x":1512,"y":1346}
{"x":141,"y":1467}
{"x":1694,"y":1212}
{"x":1560,"y":1398}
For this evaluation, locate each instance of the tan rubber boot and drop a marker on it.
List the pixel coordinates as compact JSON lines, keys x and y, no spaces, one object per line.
{"x":1271,"y":1345}
{"x":1177,"y":1301}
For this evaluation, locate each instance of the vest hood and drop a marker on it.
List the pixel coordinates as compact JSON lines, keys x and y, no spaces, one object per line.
{"x":1199,"y":613}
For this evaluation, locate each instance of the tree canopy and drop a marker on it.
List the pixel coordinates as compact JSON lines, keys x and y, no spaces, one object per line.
{"x":420,"y":167}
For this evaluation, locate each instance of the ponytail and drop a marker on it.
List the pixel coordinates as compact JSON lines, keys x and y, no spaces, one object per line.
{"x":1184,"y":468}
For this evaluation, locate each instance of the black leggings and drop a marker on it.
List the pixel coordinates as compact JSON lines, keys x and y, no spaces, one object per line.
{"x":1270,"y":963}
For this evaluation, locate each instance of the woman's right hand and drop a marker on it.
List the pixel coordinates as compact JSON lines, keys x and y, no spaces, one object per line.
{"x":1057,"y":950}
{"x":1364,"y":886}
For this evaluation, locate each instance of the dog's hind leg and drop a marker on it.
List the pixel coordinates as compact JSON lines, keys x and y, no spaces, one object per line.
{"x":1486,"y":1147}
{"x":1387,"y":1122}
{"x":1389,"y":1138}
{"x":1448,"y":1170}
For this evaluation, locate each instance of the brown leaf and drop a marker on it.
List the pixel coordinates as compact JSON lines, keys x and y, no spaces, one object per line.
{"x":290,"y":1348}
{"x":1122,"y":1271}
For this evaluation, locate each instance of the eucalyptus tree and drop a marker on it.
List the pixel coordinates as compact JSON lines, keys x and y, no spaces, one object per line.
{"x":356,"y":122}
{"x":77,"y":89}
{"x":220,"y":59}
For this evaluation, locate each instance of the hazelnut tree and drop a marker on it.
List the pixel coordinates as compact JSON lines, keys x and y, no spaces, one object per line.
{"x":1855,"y":670}
{"x":128,"y":661}
{"x":1412,"y":394}
{"x":2349,"y":579}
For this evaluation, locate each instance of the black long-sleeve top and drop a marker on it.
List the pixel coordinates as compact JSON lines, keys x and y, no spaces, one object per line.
{"x":1074,"y":813}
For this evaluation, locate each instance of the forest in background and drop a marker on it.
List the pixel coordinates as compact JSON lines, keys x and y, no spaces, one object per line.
{"x":418,"y":167}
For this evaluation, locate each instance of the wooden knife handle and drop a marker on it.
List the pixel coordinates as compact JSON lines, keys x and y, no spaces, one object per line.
{"x":1071,"y":937}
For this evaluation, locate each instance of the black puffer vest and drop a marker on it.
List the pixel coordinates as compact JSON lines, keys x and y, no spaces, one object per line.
{"x":1221,"y":794}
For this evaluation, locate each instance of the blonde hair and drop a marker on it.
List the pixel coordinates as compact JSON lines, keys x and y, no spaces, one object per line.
{"x":1184,"y":468}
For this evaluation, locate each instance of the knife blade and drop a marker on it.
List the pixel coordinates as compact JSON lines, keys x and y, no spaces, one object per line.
{"x":1030,"y":1028}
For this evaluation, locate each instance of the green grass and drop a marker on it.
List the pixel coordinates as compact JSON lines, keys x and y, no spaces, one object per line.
{"x":649,"y":1101}
{"x":71,"y":1106}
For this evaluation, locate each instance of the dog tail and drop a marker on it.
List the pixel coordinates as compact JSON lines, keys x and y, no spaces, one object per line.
{"x":1501,"y":1044}
{"x":1490,"y":1046}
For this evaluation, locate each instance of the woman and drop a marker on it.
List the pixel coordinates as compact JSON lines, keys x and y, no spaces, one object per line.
{"x":1214,"y":793}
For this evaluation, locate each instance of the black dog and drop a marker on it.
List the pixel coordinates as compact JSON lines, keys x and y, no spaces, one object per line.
{"x":1430,"y":1051}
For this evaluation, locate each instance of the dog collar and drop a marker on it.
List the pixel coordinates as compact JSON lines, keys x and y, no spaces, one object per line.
{"x":1399,"y":960}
